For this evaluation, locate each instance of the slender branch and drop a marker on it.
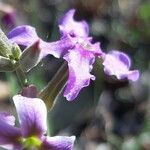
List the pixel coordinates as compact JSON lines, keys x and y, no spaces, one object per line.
{"x":50,"y":92}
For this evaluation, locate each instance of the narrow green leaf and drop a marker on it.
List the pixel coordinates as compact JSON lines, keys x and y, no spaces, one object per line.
{"x":54,"y":87}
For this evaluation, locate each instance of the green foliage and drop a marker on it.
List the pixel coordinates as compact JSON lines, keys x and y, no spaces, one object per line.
{"x":144,"y":11}
{"x":131,"y":144}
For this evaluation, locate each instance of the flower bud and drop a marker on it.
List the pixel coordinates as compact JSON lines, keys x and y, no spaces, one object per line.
{"x":29,"y":91}
{"x":6,"y":64}
{"x":5,"y":45}
{"x":16,"y":52}
{"x":30,"y":57}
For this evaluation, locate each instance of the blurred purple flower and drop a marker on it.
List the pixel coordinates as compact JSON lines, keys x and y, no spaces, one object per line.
{"x":118,"y":64}
{"x":8,"y":15}
{"x":9,"y":19}
{"x":32,"y":115}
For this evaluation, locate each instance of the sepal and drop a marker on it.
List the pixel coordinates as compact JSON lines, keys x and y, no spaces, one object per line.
{"x":16,"y":52}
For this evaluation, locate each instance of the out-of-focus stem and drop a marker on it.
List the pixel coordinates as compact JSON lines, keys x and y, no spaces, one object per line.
{"x":50,"y":92}
{"x":22,"y":77}
{"x":98,"y":72}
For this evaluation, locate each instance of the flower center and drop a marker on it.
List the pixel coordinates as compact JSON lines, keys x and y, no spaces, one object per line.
{"x":31,"y":142}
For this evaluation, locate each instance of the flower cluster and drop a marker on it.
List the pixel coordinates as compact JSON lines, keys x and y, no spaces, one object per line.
{"x":76,"y":47}
{"x":78,"y":50}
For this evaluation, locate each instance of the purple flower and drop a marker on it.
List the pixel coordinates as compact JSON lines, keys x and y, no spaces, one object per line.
{"x":118,"y":64}
{"x":32,"y":115}
{"x":8,"y":15}
{"x":74,"y":46}
{"x":77,"y":49}
{"x":81,"y":57}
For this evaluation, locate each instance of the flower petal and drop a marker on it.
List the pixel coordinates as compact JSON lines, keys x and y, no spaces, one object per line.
{"x":12,"y":147}
{"x":9,"y":135}
{"x":58,"y":48}
{"x":9,"y":119}
{"x":118,"y":64}
{"x":23,"y":35}
{"x":27,"y":36}
{"x":68,"y":25}
{"x":87,"y":45}
{"x":133,"y":75}
{"x":58,"y":143}
{"x":32,"y":115}
{"x":80,"y":64}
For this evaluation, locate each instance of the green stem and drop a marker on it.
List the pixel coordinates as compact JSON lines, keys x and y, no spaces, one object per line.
{"x":22,"y":77}
{"x":50,"y":92}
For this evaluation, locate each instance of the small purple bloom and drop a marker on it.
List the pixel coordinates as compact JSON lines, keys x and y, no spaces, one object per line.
{"x":32,"y":115}
{"x":118,"y":64}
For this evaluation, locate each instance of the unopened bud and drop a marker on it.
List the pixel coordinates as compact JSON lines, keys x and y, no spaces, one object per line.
{"x":6,"y":64}
{"x":30,"y":57}
{"x":29,"y":91}
{"x":5,"y":45}
{"x":16,"y":52}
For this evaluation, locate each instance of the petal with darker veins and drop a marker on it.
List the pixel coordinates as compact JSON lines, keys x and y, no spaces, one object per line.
{"x":58,"y":143}
{"x":32,"y":115}
{"x":80,"y":65}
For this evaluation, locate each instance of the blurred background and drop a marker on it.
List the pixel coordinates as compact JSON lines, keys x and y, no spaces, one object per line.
{"x":109,"y":114}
